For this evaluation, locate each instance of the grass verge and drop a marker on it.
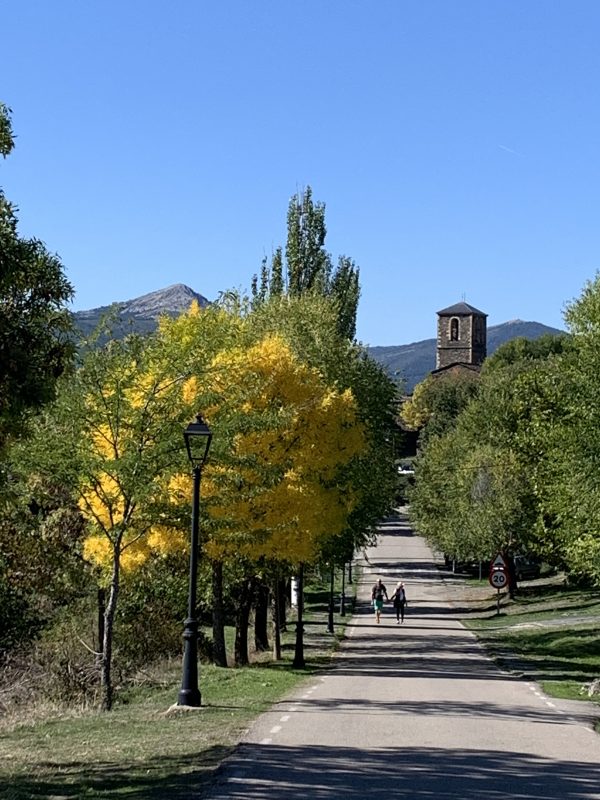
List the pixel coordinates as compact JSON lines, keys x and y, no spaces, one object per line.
{"x":551,"y":634}
{"x":138,"y":750}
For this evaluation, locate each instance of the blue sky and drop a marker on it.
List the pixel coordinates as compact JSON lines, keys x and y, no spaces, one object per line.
{"x":454,"y":143}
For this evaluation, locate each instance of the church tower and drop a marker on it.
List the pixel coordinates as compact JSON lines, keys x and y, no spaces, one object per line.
{"x":461,"y":336}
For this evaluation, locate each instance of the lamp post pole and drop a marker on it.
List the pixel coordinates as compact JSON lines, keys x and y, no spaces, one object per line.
{"x":189,"y":694}
{"x":197,"y":438}
{"x":330,"y":628}
{"x":343,"y":595}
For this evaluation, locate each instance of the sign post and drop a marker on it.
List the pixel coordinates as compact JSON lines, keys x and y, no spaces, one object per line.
{"x":498,"y":579}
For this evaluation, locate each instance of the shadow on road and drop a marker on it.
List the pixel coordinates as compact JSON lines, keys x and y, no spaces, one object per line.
{"x":423,"y":773}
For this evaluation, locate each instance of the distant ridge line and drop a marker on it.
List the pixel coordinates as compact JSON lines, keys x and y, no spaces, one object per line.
{"x":410,"y":362}
{"x":413,"y":362}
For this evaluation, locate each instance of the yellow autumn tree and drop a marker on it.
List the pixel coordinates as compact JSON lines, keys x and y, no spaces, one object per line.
{"x":278,"y":492}
{"x":275,"y":486}
{"x":272,"y":486}
{"x":121,"y":417}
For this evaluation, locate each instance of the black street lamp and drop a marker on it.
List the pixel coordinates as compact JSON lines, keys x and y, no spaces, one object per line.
{"x":197,"y":437}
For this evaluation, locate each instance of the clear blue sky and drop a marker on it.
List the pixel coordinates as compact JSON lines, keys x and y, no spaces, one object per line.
{"x":455,"y":143}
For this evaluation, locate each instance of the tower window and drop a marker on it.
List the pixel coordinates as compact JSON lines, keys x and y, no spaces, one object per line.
{"x":454,"y":330}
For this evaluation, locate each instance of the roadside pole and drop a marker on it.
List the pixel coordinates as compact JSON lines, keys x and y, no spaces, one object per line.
{"x":498,"y":577}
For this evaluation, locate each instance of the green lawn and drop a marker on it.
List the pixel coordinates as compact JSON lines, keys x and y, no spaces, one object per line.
{"x":551,"y":634}
{"x":140,"y":750}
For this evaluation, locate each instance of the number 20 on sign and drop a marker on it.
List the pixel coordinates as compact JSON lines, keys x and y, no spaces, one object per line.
{"x":498,"y":578}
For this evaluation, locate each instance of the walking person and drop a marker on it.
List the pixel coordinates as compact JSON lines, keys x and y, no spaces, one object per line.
{"x":378,"y":592}
{"x":399,"y":601}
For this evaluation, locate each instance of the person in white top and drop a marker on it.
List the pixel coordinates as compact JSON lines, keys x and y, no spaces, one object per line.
{"x":399,"y":601}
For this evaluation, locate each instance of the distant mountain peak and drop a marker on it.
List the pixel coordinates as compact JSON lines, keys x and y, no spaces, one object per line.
{"x":516,"y":321}
{"x":171,"y":300}
{"x":141,"y":314}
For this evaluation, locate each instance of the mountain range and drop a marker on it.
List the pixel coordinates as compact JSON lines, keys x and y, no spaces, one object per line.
{"x":412,"y":362}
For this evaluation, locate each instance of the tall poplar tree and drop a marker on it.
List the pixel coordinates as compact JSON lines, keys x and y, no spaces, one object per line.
{"x":308,"y":267}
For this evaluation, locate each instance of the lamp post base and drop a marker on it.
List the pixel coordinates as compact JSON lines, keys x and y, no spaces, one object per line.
{"x":190,"y":698}
{"x":189,"y":694}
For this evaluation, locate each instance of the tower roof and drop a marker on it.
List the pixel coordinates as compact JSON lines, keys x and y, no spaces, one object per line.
{"x":461,"y":308}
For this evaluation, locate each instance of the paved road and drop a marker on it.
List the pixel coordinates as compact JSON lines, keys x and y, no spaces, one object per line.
{"x":414,"y":711}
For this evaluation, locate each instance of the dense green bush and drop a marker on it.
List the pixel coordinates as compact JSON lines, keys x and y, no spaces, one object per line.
{"x":152,"y":608}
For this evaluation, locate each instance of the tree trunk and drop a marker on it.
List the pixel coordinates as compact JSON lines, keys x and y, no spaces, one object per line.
{"x":242,"y":618}
{"x":343,"y":593}
{"x":330,"y":609}
{"x":106,"y":686}
{"x":299,"y":651}
{"x":512,"y":575}
{"x":219,"y":651}
{"x":282,"y":604}
{"x":276,"y":626}
{"x":261,"y":616}
{"x":101,"y":595}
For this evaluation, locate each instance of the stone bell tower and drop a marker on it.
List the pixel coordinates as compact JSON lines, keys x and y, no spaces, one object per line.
{"x":461,"y":336}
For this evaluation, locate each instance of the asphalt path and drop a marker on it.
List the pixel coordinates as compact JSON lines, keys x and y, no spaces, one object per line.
{"x":415,"y":710}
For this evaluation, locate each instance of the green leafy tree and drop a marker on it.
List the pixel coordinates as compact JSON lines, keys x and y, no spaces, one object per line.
{"x":521,"y":349}
{"x":577,"y":496}
{"x":487,"y":482}
{"x":344,"y":289}
{"x":41,"y":533}
{"x":35,"y":346}
{"x":437,"y":403}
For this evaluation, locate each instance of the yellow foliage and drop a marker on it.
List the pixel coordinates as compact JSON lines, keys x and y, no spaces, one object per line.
{"x":103,"y":503}
{"x":415,"y":412}
{"x":119,"y":443}
{"x":191,"y":390}
{"x":164,"y":540}
{"x":272,"y":487}
{"x":146,"y":387}
{"x":103,"y":442}
{"x":135,"y":554}
{"x":98,"y":550}
{"x":197,"y":327}
{"x":179,"y":488}
{"x":278,"y":495}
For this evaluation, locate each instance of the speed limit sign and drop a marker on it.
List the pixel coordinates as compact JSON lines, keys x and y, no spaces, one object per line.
{"x":498,"y":578}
